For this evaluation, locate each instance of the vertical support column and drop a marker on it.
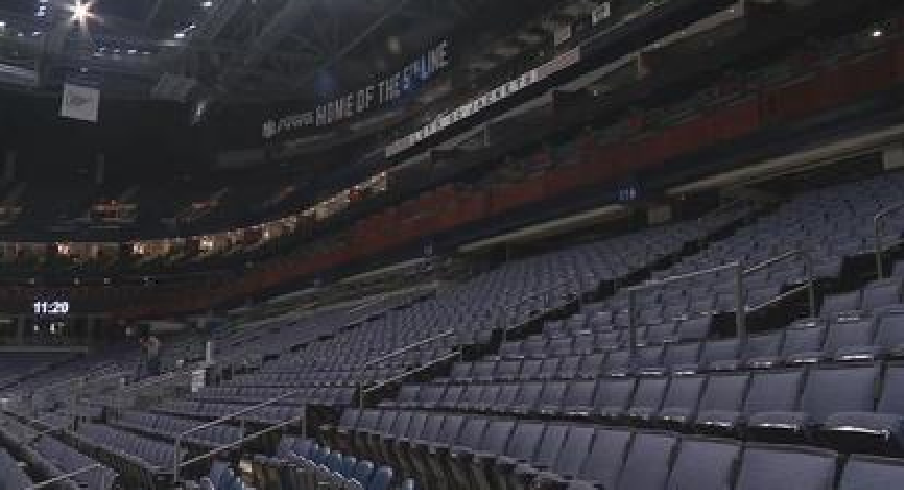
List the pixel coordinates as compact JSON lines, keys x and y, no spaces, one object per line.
{"x":740,"y":305}
{"x":632,"y":325}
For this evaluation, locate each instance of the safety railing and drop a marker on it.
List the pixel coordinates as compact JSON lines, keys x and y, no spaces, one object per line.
{"x":740,"y":292}
{"x":362,"y":391}
{"x":239,"y":443}
{"x":545,"y":294}
{"x":177,"y":443}
{"x":740,"y":323}
{"x":879,"y":232}
{"x":67,"y":476}
{"x":810,"y":282}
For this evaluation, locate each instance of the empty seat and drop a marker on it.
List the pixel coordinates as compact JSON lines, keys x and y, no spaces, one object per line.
{"x":648,"y":462}
{"x":871,"y":473}
{"x":828,"y":390}
{"x":879,"y":429}
{"x":704,"y":464}
{"x":778,"y":467}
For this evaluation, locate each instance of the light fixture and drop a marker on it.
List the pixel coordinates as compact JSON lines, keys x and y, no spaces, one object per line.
{"x":80,"y":10}
{"x":179,"y":35}
{"x":2,"y":24}
{"x":877,"y":33}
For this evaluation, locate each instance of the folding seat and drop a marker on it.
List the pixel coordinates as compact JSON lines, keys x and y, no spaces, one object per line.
{"x":530,"y":369}
{"x":798,"y":342}
{"x":648,"y":398}
{"x":469,"y":461}
{"x":407,"y":397}
{"x":721,"y":355}
{"x":534,"y":347}
{"x":591,"y":366}
{"x":763,"y":351}
{"x":584,"y":343}
{"x":681,"y":357}
{"x":472,"y":395}
{"x":601,"y":467}
{"x":773,"y":467}
{"x":681,"y":399}
{"x":660,"y":333}
{"x":769,"y":391}
{"x":618,"y":362}
{"x":549,"y":368}
{"x":613,"y":396}
{"x":560,"y":347}
{"x":881,"y":430}
{"x":431,"y":396}
{"x":435,"y":460}
{"x":693,"y":329}
{"x":721,"y":458}
{"x":890,"y":335}
{"x":560,"y":455}
{"x":871,"y":473}
{"x":483,"y":371}
{"x":508,"y":370}
{"x":450,"y":397}
{"x":496,"y":470}
{"x":488,"y":399}
{"x":568,"y":368}
{"x":649,"y":356}
{"x":608,"y":341}
{"x":648,"y":462}
{"x":877,"y":297}
{"x":551,"y":397}
{"x":508,"y":350}
{"x":842,"y":304}
{"x":508,"y":394}
{"x":828,"y":390}
{"x":724,"y":393}
{"x":527,"y":398}
{"x":578,"y":397}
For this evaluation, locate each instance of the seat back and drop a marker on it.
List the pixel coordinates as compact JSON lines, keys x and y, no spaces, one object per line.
{"x":648,"y":462}
{"x":719,"y":462}
{"x":774,"y":467}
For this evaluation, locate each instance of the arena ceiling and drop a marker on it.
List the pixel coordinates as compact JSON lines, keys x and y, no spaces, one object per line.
{"x":243,"y":50}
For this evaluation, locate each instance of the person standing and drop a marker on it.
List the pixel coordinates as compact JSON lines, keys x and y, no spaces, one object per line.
{"x":150,"y":348}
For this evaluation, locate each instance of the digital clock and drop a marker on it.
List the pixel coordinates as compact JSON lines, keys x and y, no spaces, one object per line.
{"x":50,"y":307}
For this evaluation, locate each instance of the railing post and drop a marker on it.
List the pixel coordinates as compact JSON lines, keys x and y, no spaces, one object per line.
{"x":740,"y":304}
{"x":632,"y":325}
{"x":177,"y":457}
{"x":811,"y":284}
{"x":877,"y":228}
{"x":304,"y":421}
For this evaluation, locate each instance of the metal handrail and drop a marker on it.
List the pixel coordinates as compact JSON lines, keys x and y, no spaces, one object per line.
{"x":808,"y":265}
{"x":84,"y":469}
{"x":399,"y":377}
{"x":511,"y":307}
{"x":243,"y":440}
{"x":177,"y":444}
{"x":878,"y":220}
{"x":402,"y":350}
{"x":740,"y":320}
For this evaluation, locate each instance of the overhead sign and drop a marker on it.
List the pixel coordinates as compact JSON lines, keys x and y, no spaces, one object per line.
{"x":80,"y":102}
{"x":384,"y":92}
{"x":483,"y":101}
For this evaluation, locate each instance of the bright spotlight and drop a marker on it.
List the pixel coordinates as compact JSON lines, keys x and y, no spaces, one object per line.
{"x":81,"y":11}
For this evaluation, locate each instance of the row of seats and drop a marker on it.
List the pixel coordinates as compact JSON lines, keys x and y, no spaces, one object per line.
{"x":805,"y":342}
{"x":841,"y":401}
{"x":301,"y":464}
{"x":269,"y":415}
{"x":171,"y":427}
{"x":500,"y":453}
